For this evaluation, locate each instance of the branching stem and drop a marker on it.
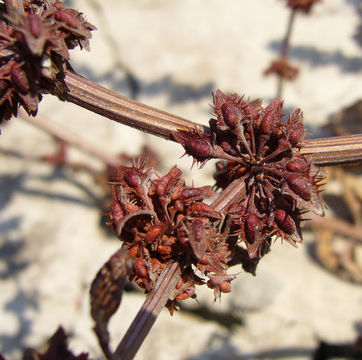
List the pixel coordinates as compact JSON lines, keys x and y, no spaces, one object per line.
{"x":87,"y":94}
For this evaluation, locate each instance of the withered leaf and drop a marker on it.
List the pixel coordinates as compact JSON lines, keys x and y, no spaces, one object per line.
{"x":106,"y":294}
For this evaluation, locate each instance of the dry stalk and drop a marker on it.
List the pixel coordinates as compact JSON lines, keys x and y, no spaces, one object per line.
{"x":284,"y":52}
{"x":85,"y":93}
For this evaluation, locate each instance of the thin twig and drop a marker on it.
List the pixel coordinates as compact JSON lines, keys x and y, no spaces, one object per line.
{"x":69,"y":138}
{"x":284,"y":52}
{"x":336,"y":225}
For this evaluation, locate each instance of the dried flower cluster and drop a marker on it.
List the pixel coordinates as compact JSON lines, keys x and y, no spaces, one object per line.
{"x":303,"y":5}
{"x":160,"y":219}
{"x":34,"y":51}
{"x":283,"y":68}
{"x":263,"y":152}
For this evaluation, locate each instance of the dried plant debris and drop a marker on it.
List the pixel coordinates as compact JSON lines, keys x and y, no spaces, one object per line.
{"x":339,"y":254}
{"x":339,"y":246}
{"x":57,"y":349}
{"x":106,"y":294}
{"x":263,"y":152}
{"x":34,"y":51}
{"x":283,"y":68}
{"x":339,"y":240}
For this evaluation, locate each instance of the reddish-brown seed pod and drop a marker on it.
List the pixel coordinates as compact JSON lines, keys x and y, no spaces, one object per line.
{"x":251,"y":227}
{"x":202,"y":209}
{"x":230,"y":114}
{"x":198,"y":149}
{"x":225,"y":287}
{"x":296,"y":166}
{"x":164,"y":249}
{"x":19,"y":78}
{"x":133,"y":251}
{"x":154,"y":232}
{"x":183,"y":296}
{"x":190,"y":192}
{"x":300,"y":186}
{"x":66,"y":17}
{"x":35,"y":24}
{"x":266,"y":125}
{"x":155,"y":265}
{"x":296,"y":135}
{"x":132,"y":178}
{"x":165,"y":184}
{"x":140,"y":267}
{"x":284,"y":221}
{"x":195,"y":144}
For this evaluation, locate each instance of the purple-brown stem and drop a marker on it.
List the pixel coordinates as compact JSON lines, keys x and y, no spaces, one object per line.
{"x":284,"y":52}
{"x":148,"y":313}
{"x":70,"y":138}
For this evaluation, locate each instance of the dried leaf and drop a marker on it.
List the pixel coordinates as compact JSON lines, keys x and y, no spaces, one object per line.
{"x":106,"y":294}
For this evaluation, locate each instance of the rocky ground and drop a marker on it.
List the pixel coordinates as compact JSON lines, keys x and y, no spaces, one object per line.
{"x":51,"y":241}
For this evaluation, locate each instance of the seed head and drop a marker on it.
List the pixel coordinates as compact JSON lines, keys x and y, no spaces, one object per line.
{"x":280,"y":183}
{"x":161,"y":219}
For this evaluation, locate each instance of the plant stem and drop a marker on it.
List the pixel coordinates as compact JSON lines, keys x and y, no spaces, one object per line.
{"x":338,"y":150}
{"x":100,"y":100}
{"x":147,"y":315}
{"x":284,"y":53}
{"x":87,"y":94}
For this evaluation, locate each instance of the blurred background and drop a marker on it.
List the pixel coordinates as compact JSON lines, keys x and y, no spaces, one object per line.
{"x":172,"y":54}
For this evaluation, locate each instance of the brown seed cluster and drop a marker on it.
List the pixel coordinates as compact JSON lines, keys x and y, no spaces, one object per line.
{"x":283,"y":68}
{"x":34,"y":51}
{"x":263,"y":152}
{"x":303,"y":5}
{"x":160,"y":219}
